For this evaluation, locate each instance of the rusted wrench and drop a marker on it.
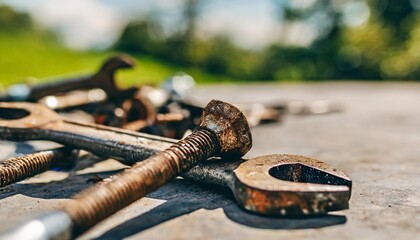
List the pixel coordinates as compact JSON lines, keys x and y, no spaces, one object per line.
{"x":28,"y":121}
{"x":103,"y":79}
{"x":223,"y":131}
{"x":21,"y":121}
{"x":286,"y":185}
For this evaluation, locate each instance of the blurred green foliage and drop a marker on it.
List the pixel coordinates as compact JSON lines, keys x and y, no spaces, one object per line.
{"x":32,"y":55}
{"x":384,"y":47}
{"x":21,"y":21}
{"x":218,"y":55}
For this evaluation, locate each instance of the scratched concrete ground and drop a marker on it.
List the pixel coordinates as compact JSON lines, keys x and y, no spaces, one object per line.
{"x":375,"y":141}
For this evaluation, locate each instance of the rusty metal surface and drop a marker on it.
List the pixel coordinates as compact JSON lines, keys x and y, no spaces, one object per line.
{"x":94,"y":204}
{"x":232,"y":128}
{"x":305,"y":186}
{"x":28,"y":121}
{"x":374,"y":140}
{"x":279,"y":184}
{"x":220,"y":121}
{"x":264,"y":175}
{"x":248,"y":193}
{"x":17,"y":169}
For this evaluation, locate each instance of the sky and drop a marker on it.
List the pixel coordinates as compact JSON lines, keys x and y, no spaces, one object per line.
{"x":98,"y":23}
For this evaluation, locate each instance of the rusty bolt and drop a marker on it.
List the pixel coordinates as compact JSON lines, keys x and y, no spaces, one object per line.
{"x":20,"y":168}
{"x":223,"y":131}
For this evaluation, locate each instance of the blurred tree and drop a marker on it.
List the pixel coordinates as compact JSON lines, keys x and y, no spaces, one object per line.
{"x":373,"y":50}
{"x":190,"y":17}
{"x":12,"y":21}
{"x":383,"y":45}
{"x":143,"y":37}
{"x":290,"y":63}
{"x":181,"y":47}
{"x":321,"y":60}
{"x":227,"y":59}
{"x":217,"y":55}
{"x":393,"y":14}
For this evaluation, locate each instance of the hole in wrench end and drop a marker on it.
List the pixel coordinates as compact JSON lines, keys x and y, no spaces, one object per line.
{"x":23,"y":115}
{"x":297,"y":172}
{"x":276,"y":185}
{"x":12,"y":113}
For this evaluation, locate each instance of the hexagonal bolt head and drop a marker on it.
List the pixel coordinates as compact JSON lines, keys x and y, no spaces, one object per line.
{"x":230,"y":126}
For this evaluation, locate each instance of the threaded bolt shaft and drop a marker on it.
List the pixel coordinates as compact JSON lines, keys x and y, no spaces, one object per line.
{"x":20,"y":168}
{"x":95,"y":204}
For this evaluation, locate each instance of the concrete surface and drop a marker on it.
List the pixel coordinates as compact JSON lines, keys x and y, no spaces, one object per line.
{"x":375,"y":141}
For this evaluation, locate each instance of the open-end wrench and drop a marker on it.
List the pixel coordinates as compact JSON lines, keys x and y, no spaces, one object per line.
{"x":285,"y":185}
{"x":21,"y":121}
{"x":223,"y":131}
{"x":103,"y":79}
{"x":279,"y":184}
{"x":27,"y":121}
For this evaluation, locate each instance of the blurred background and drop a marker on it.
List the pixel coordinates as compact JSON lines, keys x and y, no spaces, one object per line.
{"x":214,"y":41}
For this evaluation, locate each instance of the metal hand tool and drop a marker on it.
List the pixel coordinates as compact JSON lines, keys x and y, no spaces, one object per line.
{"x":279,"y":184}
{"x":268,"y":168}
{"x":223,"y":132}
{"x":103,"y":79}
{"x":285,"y":185}
{"x":289,"y":200}
{"x":136,"y":146}
{"x":21,"y":121}
{"x":20,"y":168}
{"x":74,"y":99}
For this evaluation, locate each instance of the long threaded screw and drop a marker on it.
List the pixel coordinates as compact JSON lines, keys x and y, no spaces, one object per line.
{"x":223,"y":130}
{"x":18,"y":169}
{"x":99,"y":202}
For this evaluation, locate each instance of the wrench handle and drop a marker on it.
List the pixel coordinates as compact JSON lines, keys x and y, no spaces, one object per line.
{"x":39,"y":91}
{"x":104,"y":141}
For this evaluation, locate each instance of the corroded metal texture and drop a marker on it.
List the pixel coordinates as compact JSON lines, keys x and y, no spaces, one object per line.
{"x":26,"y":121}
{"x":278,"y":185}
{"x":232,"y":128}
{"x":29,"y":121}
{"x":103,"y":79}
{"x":304,"y":186}
{"x":97,"y":203}
{"x":216,"y":172}
{"x":139,"y":113}
{"x":17,"y":169}
{"x":108,"y":141}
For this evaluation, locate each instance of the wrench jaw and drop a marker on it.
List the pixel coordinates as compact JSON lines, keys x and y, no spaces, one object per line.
{"x":25,"y":115}
{"x":17,"y":117}
{"x":105,"y":80}
{"x":290,"y":186}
